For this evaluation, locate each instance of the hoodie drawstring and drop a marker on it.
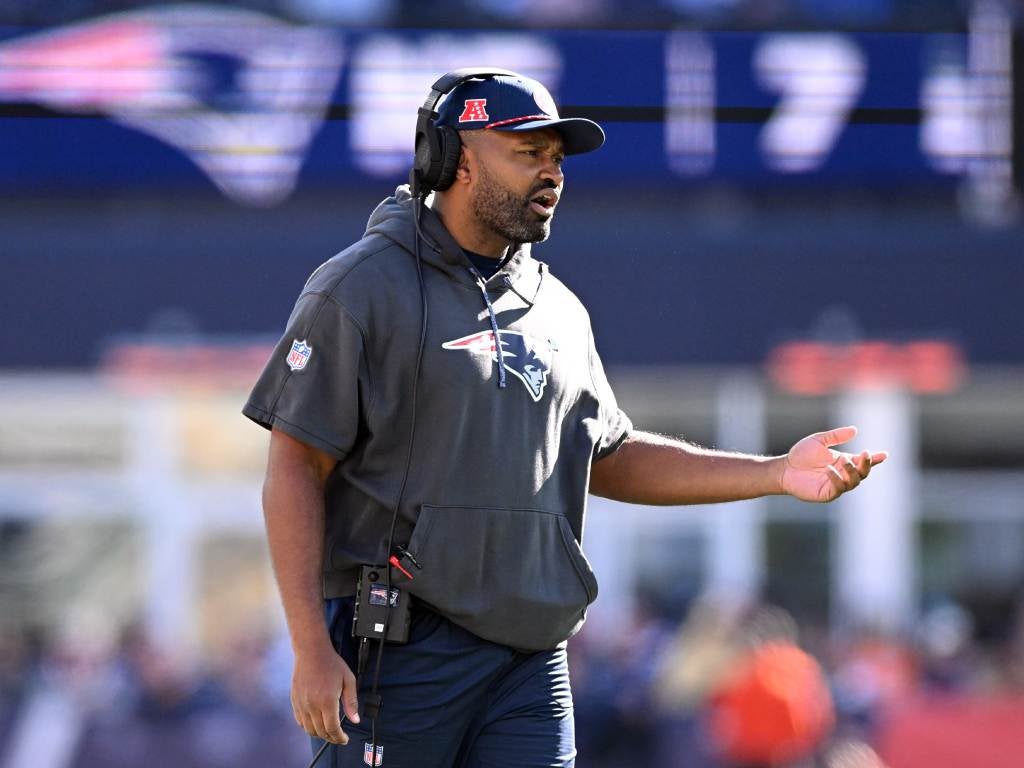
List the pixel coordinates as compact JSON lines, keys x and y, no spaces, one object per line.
{"x":508,"y":284}
{"x":494,"y":326}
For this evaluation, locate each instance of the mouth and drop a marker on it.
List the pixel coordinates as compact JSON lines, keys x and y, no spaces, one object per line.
{"x":544,"y":203}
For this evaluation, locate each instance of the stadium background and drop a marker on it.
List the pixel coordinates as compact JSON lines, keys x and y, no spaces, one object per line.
{"x":807,"y":213}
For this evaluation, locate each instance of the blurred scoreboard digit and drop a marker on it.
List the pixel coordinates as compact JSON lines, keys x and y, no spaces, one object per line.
{"x":824,"y":104}
{"x":318,"y":107}
{"x":761,"y":108}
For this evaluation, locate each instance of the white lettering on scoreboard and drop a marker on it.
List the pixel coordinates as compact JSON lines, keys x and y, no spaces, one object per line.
{"x":819,"y":78}
{"x":391,"y":77}
{"x":690,"y":103}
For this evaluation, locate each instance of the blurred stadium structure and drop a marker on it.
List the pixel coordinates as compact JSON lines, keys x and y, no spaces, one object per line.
{"x":807,"y":214}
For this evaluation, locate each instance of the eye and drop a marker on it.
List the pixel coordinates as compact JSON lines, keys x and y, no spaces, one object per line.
{"x":531,"y":152}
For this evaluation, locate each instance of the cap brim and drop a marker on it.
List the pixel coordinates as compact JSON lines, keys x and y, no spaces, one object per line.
{"x":579,"y":135}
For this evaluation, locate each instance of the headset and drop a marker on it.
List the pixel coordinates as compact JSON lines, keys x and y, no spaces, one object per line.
{"x":438,"y":146}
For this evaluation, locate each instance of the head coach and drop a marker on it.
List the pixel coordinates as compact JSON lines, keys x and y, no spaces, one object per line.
{"x":438,"y":413}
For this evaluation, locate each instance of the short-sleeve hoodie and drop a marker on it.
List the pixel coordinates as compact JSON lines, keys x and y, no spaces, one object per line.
{"x":493,"y":510}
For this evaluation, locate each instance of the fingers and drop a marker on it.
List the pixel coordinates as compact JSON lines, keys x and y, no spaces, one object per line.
{"x":836,"y":436}
{"x":837,"y":483}
{"x":319,"y":716}
{"x":331,"y":719}
{"x":862,"y":464}
{"x":848,"y":472}
{"x":323,"y":686}
{"x":853,"y":473}
{"x":349,"y":699}
{"x":320,"y":723}
{"x":852,"y":469}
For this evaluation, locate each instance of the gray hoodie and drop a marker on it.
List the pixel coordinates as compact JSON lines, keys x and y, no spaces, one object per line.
{"x":494,"y":505}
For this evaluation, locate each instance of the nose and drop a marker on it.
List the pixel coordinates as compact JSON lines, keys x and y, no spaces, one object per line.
{"x":553,"y":171}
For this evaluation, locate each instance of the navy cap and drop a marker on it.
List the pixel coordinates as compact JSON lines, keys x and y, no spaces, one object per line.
{"x":506,"y":103}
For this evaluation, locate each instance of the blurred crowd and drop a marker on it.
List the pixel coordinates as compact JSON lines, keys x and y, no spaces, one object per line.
{"x":683,"y":693}
{"x":728,"y":686}
{"x":72,"y":702}
{"x":916,"y":14}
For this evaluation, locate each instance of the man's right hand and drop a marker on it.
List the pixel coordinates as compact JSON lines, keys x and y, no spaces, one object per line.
{"x":321,"y":681}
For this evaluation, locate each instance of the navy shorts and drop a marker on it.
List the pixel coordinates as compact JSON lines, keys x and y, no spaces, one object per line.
{"x":453,"y":700}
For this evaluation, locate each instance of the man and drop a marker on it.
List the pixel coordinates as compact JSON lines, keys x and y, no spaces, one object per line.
{"x":470,"y":449}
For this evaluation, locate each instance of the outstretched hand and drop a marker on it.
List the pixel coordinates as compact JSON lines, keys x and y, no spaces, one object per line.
{"x":812,"y":471}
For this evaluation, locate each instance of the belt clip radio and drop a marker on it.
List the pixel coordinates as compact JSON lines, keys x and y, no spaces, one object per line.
{"x":372,"y":609}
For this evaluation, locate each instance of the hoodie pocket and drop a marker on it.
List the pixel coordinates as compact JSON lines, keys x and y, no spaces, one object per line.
{"x":512,"y":576}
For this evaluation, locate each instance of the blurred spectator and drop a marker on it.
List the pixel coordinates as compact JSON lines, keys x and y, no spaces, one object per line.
{"x":873,"y":671}
{"x":772,"y":708}
{"x":1014,"y":653}
{"x":613,"y":684}
{"x":650,"y":693}
{"x":944,"y":636}
{"x":14,"y":660}
{"x":852,"y":754}
{"x":716,"y":634}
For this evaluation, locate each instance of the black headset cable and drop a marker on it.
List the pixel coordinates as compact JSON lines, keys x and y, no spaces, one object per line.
{"x":373,"y":702}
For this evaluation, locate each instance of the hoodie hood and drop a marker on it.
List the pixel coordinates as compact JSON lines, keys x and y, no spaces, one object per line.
{"x":394,"y":219}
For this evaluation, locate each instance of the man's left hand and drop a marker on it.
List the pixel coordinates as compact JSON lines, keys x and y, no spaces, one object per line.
{"x":813,"y":471}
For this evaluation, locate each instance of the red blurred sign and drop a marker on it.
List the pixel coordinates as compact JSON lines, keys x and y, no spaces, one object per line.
{"x":817,"y":368}
{"x":955,"y":732}
{"x":144,"y":367}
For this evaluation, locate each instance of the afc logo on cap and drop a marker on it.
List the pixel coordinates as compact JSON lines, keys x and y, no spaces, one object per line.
{"x":475,"y":109}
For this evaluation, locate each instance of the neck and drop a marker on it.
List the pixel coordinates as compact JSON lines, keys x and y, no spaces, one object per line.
{"x":467,"y":230}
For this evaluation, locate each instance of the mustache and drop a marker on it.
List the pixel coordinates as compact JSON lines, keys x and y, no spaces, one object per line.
{"x":538,"y":190}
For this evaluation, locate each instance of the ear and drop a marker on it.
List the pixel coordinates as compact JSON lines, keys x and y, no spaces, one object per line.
{"x":465,"y":171}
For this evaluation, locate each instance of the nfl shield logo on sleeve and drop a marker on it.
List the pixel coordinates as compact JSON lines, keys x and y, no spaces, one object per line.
{"x":299,"y":355}
{"x":368,"y":755}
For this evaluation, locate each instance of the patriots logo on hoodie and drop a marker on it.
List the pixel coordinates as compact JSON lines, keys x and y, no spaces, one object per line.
{"x":524,"y":356}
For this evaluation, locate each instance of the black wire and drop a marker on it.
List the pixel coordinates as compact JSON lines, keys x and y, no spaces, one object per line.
{"x":319,"y":752}
{"x":323,"y":747}
{"x":375,"y":699}
{"x":418,"y":208}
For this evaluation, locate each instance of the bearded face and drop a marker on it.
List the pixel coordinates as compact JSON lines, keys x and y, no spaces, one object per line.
{"x":508,"y":214}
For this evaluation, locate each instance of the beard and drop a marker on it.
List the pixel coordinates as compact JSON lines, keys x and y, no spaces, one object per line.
{"x":507,"y":214}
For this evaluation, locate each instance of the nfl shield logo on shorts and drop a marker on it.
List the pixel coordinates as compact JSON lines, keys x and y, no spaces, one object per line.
{"x":299,"y":355}
{"x":368,"y":755}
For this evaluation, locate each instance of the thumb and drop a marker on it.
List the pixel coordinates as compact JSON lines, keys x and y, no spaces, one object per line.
{"x":349,"y":699}
{"x":836,"y":436}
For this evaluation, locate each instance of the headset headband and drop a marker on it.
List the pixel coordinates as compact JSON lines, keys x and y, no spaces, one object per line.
{"x":448,"y":82}
{"x":437,"y":151}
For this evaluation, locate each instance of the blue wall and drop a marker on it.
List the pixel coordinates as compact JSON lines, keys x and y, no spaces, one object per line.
{"x":668,"y":277}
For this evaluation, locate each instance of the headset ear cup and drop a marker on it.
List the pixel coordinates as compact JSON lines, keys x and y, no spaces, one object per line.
{"x":451,"y":150}
{"x":419,"y":176}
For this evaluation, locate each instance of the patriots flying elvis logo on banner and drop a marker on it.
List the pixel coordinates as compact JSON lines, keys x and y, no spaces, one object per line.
{"x":525,"y":357}
{"x":241,"y":93}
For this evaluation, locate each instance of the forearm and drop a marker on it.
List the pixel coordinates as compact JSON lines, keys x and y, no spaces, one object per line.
{"x":653,"y":469}
{"x":293,"y":510}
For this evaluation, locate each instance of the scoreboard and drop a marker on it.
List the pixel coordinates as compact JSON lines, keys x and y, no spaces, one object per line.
{"x":212,"y":97}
